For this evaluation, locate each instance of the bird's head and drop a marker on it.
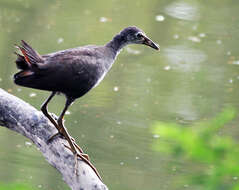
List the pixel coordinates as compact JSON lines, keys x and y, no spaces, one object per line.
{"x":134,"y":35}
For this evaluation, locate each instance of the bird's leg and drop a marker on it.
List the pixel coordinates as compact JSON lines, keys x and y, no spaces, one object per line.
{"x":71,"y":142}
{"x":45,"y":112}
{"x":63,"y":130}
{"x":53,"y":121}
{"x":83,"y":156}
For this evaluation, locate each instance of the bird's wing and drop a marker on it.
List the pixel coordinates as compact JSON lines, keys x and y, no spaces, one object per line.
{"x":82,"y":57}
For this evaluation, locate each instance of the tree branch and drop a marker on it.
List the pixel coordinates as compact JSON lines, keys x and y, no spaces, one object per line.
{"x":19,"y":116}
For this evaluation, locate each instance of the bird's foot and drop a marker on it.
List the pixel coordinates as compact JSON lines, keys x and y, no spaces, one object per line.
{"x":86,"y":156}
{"x":72,"y":139}
{"x":76,"y":154}
{"x":78,"y":147}
{"x":83,"y":157}
{"x":54,"y":136}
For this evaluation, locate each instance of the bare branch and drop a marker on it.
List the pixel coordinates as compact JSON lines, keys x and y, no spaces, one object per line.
{"x":19,"y":116}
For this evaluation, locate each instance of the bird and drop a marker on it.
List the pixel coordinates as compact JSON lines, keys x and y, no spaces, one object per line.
{"x":72,"y":72}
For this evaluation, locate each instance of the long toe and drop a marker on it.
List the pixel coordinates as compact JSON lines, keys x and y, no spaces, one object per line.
{"x":85,"y":158}
{"x":76,"y":164}
{"x":78,"y":147}
{"x":54,"y":116}
{"x":55,"y":136}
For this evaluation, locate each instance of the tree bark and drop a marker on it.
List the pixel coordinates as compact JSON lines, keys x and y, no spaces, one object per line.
{"x":19,"y":116}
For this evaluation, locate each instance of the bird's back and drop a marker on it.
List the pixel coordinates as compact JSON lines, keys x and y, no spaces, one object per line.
{"x":72,"y":72}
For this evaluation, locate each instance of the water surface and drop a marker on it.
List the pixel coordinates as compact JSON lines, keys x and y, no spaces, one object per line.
{"x":195,"y":76}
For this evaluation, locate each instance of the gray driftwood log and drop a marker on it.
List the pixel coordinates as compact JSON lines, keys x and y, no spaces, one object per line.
{"x":19,"y":116}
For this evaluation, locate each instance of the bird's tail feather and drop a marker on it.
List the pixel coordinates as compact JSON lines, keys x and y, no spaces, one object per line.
{"x":28,"y":63}
{"x":21,"y":62}
{"x":29,"y":57}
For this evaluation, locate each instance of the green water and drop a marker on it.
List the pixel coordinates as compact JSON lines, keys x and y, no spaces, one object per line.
{"x":195,"y":76}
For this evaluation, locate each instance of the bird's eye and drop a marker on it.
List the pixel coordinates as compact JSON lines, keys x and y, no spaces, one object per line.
{"x":139,"y":35}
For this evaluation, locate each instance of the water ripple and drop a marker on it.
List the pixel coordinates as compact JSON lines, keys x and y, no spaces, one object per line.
{"x":183,"y":11}
{"x":184,"y":58}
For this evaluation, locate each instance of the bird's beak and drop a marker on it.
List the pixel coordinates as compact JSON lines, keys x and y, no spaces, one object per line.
{"x":150,"y":43}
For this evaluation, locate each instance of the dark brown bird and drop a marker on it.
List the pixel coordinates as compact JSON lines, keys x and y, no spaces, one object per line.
{"x":72,"y":72}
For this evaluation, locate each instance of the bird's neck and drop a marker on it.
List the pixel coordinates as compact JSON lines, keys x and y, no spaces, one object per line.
{"x":117,"y":43}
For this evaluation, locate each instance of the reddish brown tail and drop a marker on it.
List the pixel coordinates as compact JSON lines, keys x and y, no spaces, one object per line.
{"x":29,"y":57}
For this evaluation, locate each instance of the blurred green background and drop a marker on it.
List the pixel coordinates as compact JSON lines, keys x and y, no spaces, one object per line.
{"x":193,"y":79}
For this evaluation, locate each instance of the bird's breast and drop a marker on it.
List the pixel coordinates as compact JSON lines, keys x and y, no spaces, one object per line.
{"x":99,"y":79}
